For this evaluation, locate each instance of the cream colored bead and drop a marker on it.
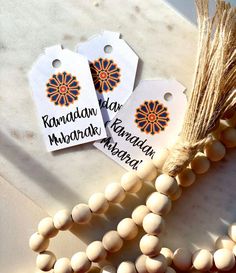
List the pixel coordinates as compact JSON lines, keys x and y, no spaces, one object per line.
{"x":202,"y":260}
{"x":80,"y":262}
{"x":232,"y":231}
{"x":158,"y":203}
{"x":176,"y":195}
{"x":156,"y":264}
{"x":166,"y":184}
{"x":47,"y":228}
{"x":38,"y":243}
{"x":108,"y":269}
{"x":126,"y":267}
{"x":81,"y":214}
{"x":112,"y":241}
{"x":114,"y":193}
{"x":127,"y":229}
{"x":98,"y":203}
{"x":224,"y":259}
{"x":182,"y":259}
{"x":168,"y":254}
{"x":150,"y":245}
{"x":186,"y":178}
{"x":160,"y":158}
{"x":62,"y":265}
{"x":140,"y":264}
{"x":45,"y":260}
{"x":200,"y":164}
{"x":139,"y":213}
{"x":153,"y":224}
{"x":224,"y":242}
{"x":215,"y":150}
{"x":147,"y":171}
{"x":234,"y":250}
{"x":170,"y":270}
{"x":130,"y":182}
{"x":96,"y":252}
{"x":228,"y":137}
{"x":62,"y":220}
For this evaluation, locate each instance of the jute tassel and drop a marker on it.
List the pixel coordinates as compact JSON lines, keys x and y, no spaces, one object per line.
{"x":213,"y":93}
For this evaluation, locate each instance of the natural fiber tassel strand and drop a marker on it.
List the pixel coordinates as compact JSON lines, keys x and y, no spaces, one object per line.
{"x":213,"y":94}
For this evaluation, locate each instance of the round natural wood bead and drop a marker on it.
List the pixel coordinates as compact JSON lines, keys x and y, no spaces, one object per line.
{"x":108,"y":269}
{"x":200,"y":164}
{"x":96,"y":252}
{"x":112,"y":241}
{"x":130,"y":182}
{"x":168,"y":254}
{"x":127,"y":229}
{"x":139,"y":213}
{"x":98,"y":203}
{"x":62,"y":220}
{"x":160,"y":158}
{"x":228,"y":137}
{"x":224,"y":242}
{"x":114,"y":193}
{"x":38,"y":243}
{"x":232,"y":231}
{"x":153,"y":224}
{"x":166,"y":184}
{"x":176,"y":195}
{"x":140,"y":264}
{"x":202,"y":260}
{"x":45,"y":260}
{"x":62,"y":265}
{"x":147,"y":171}
{"x":224,"y":259}
{"x":158,"y":203}
{"x":215,"y":150}
{"x":47,"y":228}
{"x":170,"y":270}
{"x":156,"y":264}
{"x":126,"y":267}
{"x":182,"y":259}
{"x":150,"y":245}
{"x":80,"y":262}
{"x":81,"y":214}
{"x":186,"y":178}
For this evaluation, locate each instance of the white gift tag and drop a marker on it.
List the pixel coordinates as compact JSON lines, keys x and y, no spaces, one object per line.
{"x":66,"y":100}
{"x":150,"y":120}
{"x":113,"y":66}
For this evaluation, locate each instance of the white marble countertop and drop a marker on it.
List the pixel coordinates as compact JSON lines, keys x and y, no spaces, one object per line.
{"x":35,"y":183}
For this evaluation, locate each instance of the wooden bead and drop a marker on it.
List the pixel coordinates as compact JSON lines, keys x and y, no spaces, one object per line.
{"x":130,"y":182}
{"x":45,"y":260}
{"x":166,"y":184}
{"x":232,"y":231}
{"x":158,"y":203}
{"x":147,"y":171}
{"x":200,"y":164}
{"x":127,"y":229}
{"x":126,"y":267}
{"x":228,"y":137}
{"x":108,"y":269}
{"x":80,"y":262}
{"x":168,"y":254}
{"x":234,"y":250}
{"x":224,"y":242}
{"x":186,"y":178}
{"x":62,"y":220}
{"x":182,"y":259}
{"x":160,"y":158}
{"x":81,"y":214}
{"x":98,"y":203}
{"x":150,"y":245}
{"x":176,"y":195}
{"x":114,"y":193}
{"x":38,"y":243}
{"x":96,"y":252}
{"x":232,"y":120}
{"x":153,"y":224}
{"x":62,"y":265}
{"x":202,"y":260}
{"x":224,"y":259}
{"x":215,"y":150}
{"x":46,"y":228}
{"x":156,"y":264}
{"x":112,"y":241}
{"x":139,"y":213}
{"x":170,"y":270}
{"x":140,"y":264}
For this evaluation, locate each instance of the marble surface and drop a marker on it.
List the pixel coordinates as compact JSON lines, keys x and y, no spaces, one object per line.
{"x":35,"y":183}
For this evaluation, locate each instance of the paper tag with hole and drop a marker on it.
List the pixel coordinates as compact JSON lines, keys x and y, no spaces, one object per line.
{"x":113,"y":66}
{"x":66,"y":100}
{"x":149,"y":121}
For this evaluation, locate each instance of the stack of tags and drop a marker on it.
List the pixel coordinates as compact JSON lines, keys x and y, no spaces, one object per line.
{"x":80,"y":97}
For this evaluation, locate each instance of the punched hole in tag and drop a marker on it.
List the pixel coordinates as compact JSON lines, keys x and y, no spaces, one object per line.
{"x":108,"y":49}
{"x":56,"y":63}
{"x":168,"y":96}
